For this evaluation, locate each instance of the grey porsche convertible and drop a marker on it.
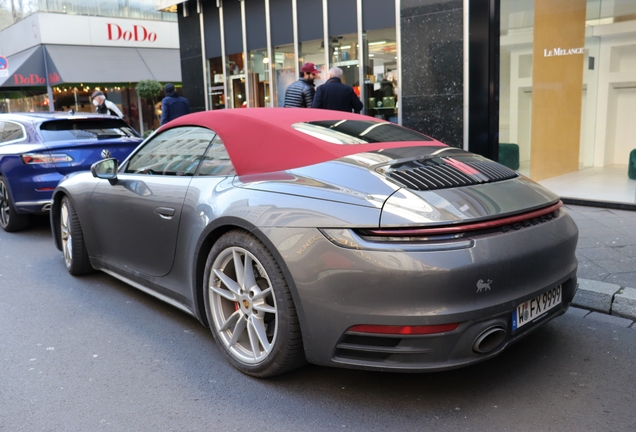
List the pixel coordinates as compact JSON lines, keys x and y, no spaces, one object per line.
{"x":301,"y":235}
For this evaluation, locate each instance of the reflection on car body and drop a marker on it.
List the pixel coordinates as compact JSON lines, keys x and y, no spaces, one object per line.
{"x":313,"y":235}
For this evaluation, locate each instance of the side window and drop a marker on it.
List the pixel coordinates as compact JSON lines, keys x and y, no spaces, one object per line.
{"x":1,"y":128}
{"x":216,"y":161}
{"x":176,"y":151}
{"x":12,"y":131}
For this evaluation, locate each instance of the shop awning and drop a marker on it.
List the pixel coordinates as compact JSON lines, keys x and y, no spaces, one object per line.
{"x":25,"y":69}
{"x":86,"y":64}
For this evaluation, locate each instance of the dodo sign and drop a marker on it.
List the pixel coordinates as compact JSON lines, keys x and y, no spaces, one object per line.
{"x":137,"y":33}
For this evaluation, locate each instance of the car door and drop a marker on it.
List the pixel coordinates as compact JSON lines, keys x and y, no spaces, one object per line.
{"x":136,"y":220}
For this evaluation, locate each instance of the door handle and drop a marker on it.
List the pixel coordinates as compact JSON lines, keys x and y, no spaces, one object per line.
{"x":165,"y":212}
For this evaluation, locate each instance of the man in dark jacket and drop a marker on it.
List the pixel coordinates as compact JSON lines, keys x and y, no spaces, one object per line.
{"x":173,"y":105}
{"x":104,"y":106}
{"x":335,"y":95}
{"x":301,"y":93}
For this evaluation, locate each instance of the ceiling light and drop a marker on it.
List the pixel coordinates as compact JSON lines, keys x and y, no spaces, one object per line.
{"x":377,"y":43}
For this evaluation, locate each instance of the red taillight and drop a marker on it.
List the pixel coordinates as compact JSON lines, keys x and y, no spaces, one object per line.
{"x":403,"y":330}
{"x":460,"y":228}
{"x":45,"y":158}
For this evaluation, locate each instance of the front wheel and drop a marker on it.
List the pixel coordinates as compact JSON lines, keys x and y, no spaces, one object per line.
{"x":250,"y":308}
{"x":10,"y":219}
{"x":73,"y":246}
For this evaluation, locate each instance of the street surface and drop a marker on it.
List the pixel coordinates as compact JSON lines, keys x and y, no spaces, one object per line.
{"x":91,"y":353}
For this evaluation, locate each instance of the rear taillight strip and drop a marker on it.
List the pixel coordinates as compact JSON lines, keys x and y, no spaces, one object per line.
{"x":417,"y":232}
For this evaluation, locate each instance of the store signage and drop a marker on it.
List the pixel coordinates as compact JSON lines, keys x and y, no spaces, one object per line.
{"x":136,"y":33}
{"x":31,"y":79}
{"x":562,"y":52}
{"x":35,"y":79}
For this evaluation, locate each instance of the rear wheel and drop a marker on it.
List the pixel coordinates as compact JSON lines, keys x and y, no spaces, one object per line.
{"x":75,"y":254}
{"x":250,"y":308}
{"x":10,"y":219}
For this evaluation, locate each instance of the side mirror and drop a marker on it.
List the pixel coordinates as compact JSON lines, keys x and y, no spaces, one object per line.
{"x":106,"y":169}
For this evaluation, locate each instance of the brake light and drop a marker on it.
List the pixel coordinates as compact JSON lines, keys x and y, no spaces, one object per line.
{"x":403,"y":330}
{"x":45,"y":158}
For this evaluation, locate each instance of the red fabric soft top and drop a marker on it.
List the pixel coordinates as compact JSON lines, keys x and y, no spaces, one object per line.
{"x":261,"y":140}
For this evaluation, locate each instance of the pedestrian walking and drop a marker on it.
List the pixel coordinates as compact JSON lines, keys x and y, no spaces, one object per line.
{"x":173,"y":105}
{"x":104,"y":106}
{"x":301,"y":93}
{"x":335,"y":95}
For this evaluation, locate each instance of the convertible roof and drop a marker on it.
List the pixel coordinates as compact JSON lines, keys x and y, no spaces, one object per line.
{"x":261,"y":140}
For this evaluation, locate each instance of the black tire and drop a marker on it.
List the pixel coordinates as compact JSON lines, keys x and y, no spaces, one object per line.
{"x":10,"y":219}
{"x":256,"y":323}
{"x":72,"y":238}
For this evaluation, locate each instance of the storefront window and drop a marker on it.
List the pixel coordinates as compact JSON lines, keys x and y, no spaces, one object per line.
{"x":235,"y":81}
{"x":259,"y":79}
{"x":285,"y":71}
{"x":381,"y":74}
{"x":345,"y":54}
{"x":567,"y":96}
{"x":216,"y":96}
{"x":313,"y":52}
{"x":32,"y":100}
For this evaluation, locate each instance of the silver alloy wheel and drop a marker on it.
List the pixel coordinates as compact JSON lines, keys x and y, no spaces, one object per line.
{"x":243,"y":305}
{"x":65,"y":231}
{"x":4,"y":205}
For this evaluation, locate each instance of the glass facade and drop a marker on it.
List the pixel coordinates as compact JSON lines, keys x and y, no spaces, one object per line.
{"x":14,"y":10}
{"x":589,"y":68}
{"x":300,"y":39}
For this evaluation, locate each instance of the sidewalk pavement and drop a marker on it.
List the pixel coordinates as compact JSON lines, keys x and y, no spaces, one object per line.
{"x":607,"y":264}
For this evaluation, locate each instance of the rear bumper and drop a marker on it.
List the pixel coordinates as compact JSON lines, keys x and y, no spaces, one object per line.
{"x":41,"y":206}
{"x":337,"y":288}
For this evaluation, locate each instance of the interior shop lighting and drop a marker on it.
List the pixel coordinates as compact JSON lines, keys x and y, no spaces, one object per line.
{"x":377,"y":43}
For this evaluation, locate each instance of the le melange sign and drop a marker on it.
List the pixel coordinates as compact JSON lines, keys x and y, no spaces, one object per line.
{"x":562,"y":52}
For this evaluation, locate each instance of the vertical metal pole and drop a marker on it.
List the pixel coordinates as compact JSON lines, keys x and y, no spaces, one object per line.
{"x":325,"y":30}
{"x":206,"y":69}
{"x":75,"y":96}
{"x":362,"y":54}
{"x":466,"y":81}
{"x":295,"y":26}
{"x":270,"y":65}
{"x":246,"y":59}
{"x":398,"y":40}
{"x":49,"y":90}
{"x":222,"y":30}
{"x":140,"y":111}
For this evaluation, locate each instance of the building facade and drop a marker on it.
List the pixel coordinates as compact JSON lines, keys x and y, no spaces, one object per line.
{"x":54,"y":55}
{"x":547,"y":87}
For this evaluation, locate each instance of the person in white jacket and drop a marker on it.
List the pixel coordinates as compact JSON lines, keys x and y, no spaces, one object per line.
{"x":104,"y":106}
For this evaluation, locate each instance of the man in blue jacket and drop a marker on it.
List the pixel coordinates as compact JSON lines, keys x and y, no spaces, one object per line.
{"x":173,"y":105}
{"x":335,"y":95}
{"x":300,"y":94}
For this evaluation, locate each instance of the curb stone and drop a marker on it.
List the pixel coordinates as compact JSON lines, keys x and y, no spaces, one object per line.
{"x":624,"y":303}
{"x":609,"y":319}
{"x":597,"y":296}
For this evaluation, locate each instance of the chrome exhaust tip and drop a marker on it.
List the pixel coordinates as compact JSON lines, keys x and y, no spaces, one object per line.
{"x":46,"y":207}
{"x":489,"y":339}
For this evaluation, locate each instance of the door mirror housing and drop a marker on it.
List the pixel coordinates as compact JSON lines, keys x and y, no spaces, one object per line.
{"x":106,"y":169}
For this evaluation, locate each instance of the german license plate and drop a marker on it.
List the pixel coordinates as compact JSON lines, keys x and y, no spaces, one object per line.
{"x":532,"y":309}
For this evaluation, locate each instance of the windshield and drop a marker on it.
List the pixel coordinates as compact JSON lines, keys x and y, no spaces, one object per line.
{"x":83,"y":129}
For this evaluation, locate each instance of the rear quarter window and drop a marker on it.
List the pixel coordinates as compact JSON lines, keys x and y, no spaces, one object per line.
{"x":76,"y":130}
{"x":12,"y":132}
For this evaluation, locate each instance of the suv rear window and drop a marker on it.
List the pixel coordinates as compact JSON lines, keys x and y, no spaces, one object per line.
{"x":74,"y":130}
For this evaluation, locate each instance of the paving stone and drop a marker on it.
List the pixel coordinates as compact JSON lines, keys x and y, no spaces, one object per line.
{"x":601,"y":253}
{"x":610,"y":319}
{"x":621,"y":265}
{"x":629,"y":251}
{"x":587,"y":242}
{"x":625,"y":303}
{"x":595,"y":295}
{"x":577,"y":311}
{"x":589,"y":270}
{"x":622,"y":279}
